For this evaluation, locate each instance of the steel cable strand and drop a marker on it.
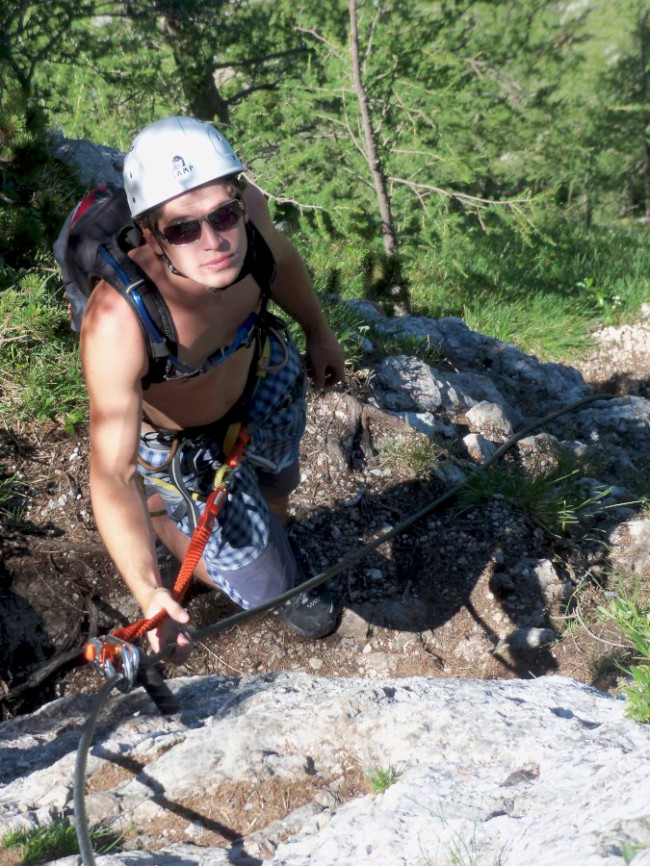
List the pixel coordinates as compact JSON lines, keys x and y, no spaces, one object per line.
{"x":79,"y":788}
{"x":199,"y":634}
{"x":357,"y":555}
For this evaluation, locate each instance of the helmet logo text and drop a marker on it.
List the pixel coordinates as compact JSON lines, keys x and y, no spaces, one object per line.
{"x":180,"y":167}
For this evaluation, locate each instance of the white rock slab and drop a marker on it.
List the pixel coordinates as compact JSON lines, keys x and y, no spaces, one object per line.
{"x":546,"y":772}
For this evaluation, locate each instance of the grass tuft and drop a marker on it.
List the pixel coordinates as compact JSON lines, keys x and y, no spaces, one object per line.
{"x":562,"y":502}
{"x":58,"y":839}
{"x":414,"y":453}
{"x":630,"y":611}
{"x":381,"y":780}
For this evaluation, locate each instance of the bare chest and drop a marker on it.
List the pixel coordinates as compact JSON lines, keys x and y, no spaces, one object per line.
{"x":205,"y":321}
{"x":204,"y":329}
{"x":202,"y":399}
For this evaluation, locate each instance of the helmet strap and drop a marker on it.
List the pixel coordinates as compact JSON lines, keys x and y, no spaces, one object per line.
{"x":171,"y":267}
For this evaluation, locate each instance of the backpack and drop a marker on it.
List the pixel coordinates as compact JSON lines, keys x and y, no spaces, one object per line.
{"x":93,"y":245}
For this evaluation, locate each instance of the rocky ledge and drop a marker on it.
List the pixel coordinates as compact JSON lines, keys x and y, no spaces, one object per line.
{"x":281,"y":769}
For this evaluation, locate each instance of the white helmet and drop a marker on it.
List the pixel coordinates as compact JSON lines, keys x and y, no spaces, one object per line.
{"x":173,"y":156}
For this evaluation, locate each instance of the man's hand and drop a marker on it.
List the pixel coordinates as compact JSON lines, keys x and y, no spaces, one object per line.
{"x":325,"y":359}
{"x":171,"y":632}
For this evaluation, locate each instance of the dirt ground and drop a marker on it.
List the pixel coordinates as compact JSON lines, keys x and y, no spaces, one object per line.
{"x":433,"y":600}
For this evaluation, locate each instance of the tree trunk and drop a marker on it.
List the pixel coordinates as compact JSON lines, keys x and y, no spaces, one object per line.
{"x":398,"y":291}
{"x":642,"y":25}
{"x":196,"y":71}
{"x":646,"y":178}
{"x":203,"y":98}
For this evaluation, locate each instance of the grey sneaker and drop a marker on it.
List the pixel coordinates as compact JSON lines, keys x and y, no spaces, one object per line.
{"x":311,"y":614}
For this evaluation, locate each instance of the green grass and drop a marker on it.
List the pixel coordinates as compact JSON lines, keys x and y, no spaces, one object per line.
{"x":630,"y":851}
{"x":415,"y":453}
{"x":381,"y":780}
{"x":629,"y":608}
{"x":12,"y":495}
{"x":547,"y":326}
{"x":38,"y":352}
{"x":407,"y":344}
{"x":59,"y":839}
{"x":545,"y":292}
{"x":556,"y":499}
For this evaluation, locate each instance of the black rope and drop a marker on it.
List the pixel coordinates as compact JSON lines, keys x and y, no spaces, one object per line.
{"x":79,"y":795}
{"x":400,"y":527}
{"x":81,"y":824}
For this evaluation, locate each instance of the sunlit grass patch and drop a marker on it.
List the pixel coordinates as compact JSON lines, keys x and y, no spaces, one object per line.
{"x":628,"y":606}
{"x":58,"y":839}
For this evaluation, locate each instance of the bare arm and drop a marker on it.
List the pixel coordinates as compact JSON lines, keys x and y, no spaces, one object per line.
{"x":114,"y":359}
{"x":293,"y":291}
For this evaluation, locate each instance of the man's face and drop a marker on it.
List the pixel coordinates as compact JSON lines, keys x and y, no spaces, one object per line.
{"x":215,"y":258}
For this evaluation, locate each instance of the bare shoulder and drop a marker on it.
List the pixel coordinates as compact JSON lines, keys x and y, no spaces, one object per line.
{"x":112,"y":342}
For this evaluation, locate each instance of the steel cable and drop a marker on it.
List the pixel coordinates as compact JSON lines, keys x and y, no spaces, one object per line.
{"x":81,"y":824}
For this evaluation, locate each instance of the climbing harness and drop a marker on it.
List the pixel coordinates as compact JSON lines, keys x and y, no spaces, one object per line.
{"x":161,"y":693}
{"x":113,"y":655}
{"x":192,"y":451}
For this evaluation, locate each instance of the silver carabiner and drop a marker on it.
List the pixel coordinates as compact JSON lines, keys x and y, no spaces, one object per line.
{"x":124,"y":666}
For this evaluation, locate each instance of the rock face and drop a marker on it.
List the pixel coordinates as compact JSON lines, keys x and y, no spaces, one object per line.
{"x":544,"y":771}
{"x":91,"y":163}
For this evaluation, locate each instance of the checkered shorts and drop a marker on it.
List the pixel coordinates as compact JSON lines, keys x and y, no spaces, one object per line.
{"x":276,"y":419}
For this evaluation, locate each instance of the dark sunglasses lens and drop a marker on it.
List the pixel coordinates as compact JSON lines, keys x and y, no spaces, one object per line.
{"x":183,"y":233}
{"x":225,"y":217}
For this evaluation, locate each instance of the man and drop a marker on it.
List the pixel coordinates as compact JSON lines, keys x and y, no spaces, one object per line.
{"x":156,"y":439}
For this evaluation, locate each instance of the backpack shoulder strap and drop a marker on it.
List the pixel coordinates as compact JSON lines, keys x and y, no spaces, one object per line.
{"x":93,"y":245}
{"x":117,"y":268}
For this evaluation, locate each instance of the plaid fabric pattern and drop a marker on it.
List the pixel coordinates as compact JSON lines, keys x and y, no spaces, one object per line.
{"x":277,"y":422}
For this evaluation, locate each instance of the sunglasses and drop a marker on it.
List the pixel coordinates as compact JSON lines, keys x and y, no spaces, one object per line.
{"x":189,"y":231}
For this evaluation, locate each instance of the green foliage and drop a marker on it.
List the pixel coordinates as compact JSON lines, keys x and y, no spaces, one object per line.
{"x":39,"y":354}
{"x":11,"y":494}
{"x":30,"y":33}
{"x":381,"y":780}
{"x":448,"y":113}
{"x":121,"y":79}
{"x":416,"y":453}
{"x":407,"y":344}
{"x":58,"y":839}
{"x":31,"y":188}
{"x":621,"y":116}
{"x":560,"y":500}
{"x":630,"y":851}
{"x":631,"y":613}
